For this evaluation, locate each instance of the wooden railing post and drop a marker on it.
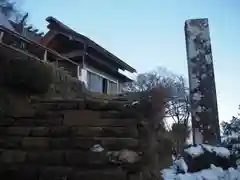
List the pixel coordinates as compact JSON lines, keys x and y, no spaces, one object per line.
{"x":45,"y":56}
{"x":1,"y":36}
{"x":24,"y":45}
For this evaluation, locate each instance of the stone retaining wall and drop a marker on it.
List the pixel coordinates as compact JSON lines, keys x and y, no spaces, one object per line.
{"x":81,"y":139}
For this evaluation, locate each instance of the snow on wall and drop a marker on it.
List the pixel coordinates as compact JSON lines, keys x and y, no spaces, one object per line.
{"x":202,"y":84}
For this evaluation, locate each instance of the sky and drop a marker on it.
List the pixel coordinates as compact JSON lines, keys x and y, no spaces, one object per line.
{"x":150,"y":33}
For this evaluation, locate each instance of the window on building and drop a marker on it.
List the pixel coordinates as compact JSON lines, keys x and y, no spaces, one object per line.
{"x":120,"y":87}
{"x":105,"y":86}
{"x":112,"y":87}
{"x":97,"y":83}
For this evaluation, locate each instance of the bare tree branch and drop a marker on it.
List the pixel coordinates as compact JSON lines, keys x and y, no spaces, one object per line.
{"x":177,"y":101}
{"x":12,"y":12}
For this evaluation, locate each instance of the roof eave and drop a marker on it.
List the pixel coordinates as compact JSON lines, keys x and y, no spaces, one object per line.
{"x":122,"y":64}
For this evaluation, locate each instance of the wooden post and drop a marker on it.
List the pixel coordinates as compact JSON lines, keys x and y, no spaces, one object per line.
{"x":83,"y":70}
{"x":84,"y":54}
{"x":45,"y":56}
{"x":1,"y":36}
{"x":205,"y":123}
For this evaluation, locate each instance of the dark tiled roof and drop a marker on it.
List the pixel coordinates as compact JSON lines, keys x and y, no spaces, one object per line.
{"x":67,"y":29}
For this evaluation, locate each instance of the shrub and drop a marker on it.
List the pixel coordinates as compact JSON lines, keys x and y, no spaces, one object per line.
{"x":43,"y":80}
{"x":64,"y":85}
{"x":28,"y":75}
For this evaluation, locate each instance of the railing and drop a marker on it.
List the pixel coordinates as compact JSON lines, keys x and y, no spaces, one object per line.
{"x":26,"y":46}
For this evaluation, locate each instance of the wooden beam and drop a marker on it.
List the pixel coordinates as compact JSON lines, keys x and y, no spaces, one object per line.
{"x":73,"y":54}
{"x":67,"y":31}
{"x":12,"y":50}
{"x":102,"y":62}
{"x":48,"y":37}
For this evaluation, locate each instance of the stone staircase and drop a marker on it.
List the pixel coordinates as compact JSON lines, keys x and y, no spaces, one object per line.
{"x":71,"y":140}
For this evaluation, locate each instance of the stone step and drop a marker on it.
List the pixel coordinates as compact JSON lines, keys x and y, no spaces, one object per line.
{"x":103,"y":105}
{"x":59,"y":106}
{"x":31,"y":121}
{"x":100,"y":122}
{"x":126,"y":113}
{"x":64,"y":131}
{"x":69,"y":120}
{"x":29,"y":172}
{"x":50,"y":121}
{"x":84,"y":144}
{"x":52,"y":157}
{"x":86,"y":103}
{"x":74,"y":158}
{"x":54,"y":101}
{"x":93,"y":118}
{"x":116,"y":174}
{"x":36,"y":115}
{"x":106,"y":132}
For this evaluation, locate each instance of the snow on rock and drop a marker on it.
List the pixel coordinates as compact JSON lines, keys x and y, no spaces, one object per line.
{"x":238,"y":162}
{"x":194,"y":151}
{"x":200,"y":157}
{"x":213,"y":173}
{"x":232,"y":174}
{"x":135,"y":102}
{"x":97,"y":148}
{"x":198,"y":150}
{"x":128,"y":156}
{"x":181,"y":165}
{"x":220,"y":151}
{"x":168,"y":174}
{"x":173,"y":158}
{"x":196,"y":96}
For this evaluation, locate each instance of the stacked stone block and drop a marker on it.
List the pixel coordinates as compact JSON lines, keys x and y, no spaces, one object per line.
{"x":57,"y":139}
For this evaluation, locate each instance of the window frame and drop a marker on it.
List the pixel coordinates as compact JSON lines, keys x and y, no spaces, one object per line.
{"x":104,"y":77}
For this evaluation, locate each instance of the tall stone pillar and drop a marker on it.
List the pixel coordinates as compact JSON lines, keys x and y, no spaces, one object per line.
{"x":205,"y":123}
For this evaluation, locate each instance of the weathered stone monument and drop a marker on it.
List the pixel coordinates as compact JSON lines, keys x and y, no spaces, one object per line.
{"x":205,"y":123}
